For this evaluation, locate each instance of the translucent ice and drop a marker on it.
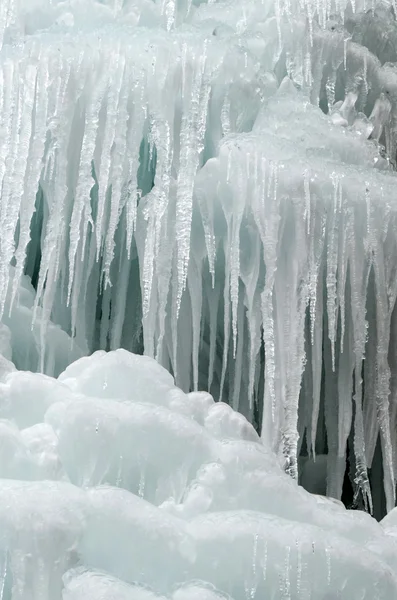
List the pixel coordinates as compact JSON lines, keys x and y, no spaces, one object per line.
{"x":211,"y":184}
{"x":160,"y":164}
{"x":149,"y":503}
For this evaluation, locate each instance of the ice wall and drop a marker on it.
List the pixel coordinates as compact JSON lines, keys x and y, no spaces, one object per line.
{"x":196,"y":181}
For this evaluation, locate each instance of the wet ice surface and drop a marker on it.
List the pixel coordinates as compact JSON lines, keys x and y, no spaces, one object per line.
{"x":118,"y":485}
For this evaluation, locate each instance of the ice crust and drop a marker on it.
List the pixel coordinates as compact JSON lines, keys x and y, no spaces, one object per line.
{"x":126,"y":488}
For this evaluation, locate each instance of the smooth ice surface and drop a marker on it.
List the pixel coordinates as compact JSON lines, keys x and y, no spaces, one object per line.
{"x":126,"y":488}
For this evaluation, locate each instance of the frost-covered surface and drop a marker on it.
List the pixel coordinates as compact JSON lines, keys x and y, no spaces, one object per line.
{"x":115,"y":485}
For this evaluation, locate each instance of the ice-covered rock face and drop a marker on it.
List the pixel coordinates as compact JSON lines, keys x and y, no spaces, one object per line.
{"x":115,"y":491}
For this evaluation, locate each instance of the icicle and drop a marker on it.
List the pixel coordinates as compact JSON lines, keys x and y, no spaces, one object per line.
{"x":119,"y":302}
{"x":234,"y":250}
{"x":14,"y":191}
{"x":383,"y":377}
{"x":226,"y":318}
{"x":192,"y":143}
{"x":316,"y":237}
{"x":361,"y":479}
{"x":213,"y":302}
{"x":164,"y":270}
{"x":345,"y":389}
{"x":104,"y":163}
{"x":238,"y":358}
{"x":195,"y":292}
{"x":145,"y":239}
{"x":292,"y":294}
{"x":332,"y":265}
{"x":316,"y":302}
{"x":117,"y":168}
{"x":169,"y":9}
{"x":174,"y":323}
{"x":85,"y":180}
{"x":359,"y":275}
{"x":371,"y":425}
{"x":105,"y":319}
{"x":265,"y":208}
{"x":254,"y":321}
{"x":34,"y":167}
{"x":249,"y":274}
{"x":88,"y":293}
{"x":207,"y":218}
{"x":335,"y":464}
{"x":155,"y":212}
{"x":310,"y":22}
{"x":56,"y":173}
{"x":9,"y":88}
{"x":16,"y":164}
{"x":131,"y":193}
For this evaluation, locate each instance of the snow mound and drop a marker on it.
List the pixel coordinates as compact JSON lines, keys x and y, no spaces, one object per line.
{"x":157,"y":494}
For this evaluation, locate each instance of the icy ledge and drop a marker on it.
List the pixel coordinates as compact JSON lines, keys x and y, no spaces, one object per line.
{"x":150,"y":493}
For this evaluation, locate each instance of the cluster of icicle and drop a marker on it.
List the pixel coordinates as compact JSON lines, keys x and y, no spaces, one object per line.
{"x":154,"y":171}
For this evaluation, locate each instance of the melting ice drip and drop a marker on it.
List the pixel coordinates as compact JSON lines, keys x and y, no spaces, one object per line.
{"x":170,"y":164}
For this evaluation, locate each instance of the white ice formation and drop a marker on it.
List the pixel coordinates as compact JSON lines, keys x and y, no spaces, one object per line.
{"x":213,"y":184}
{"x":116,"y":485}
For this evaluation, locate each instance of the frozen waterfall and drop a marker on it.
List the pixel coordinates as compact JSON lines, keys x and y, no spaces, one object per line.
{"x":211,"y":184}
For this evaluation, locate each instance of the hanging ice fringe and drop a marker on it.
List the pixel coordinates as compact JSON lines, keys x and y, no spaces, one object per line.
{"x":221,"y":174}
